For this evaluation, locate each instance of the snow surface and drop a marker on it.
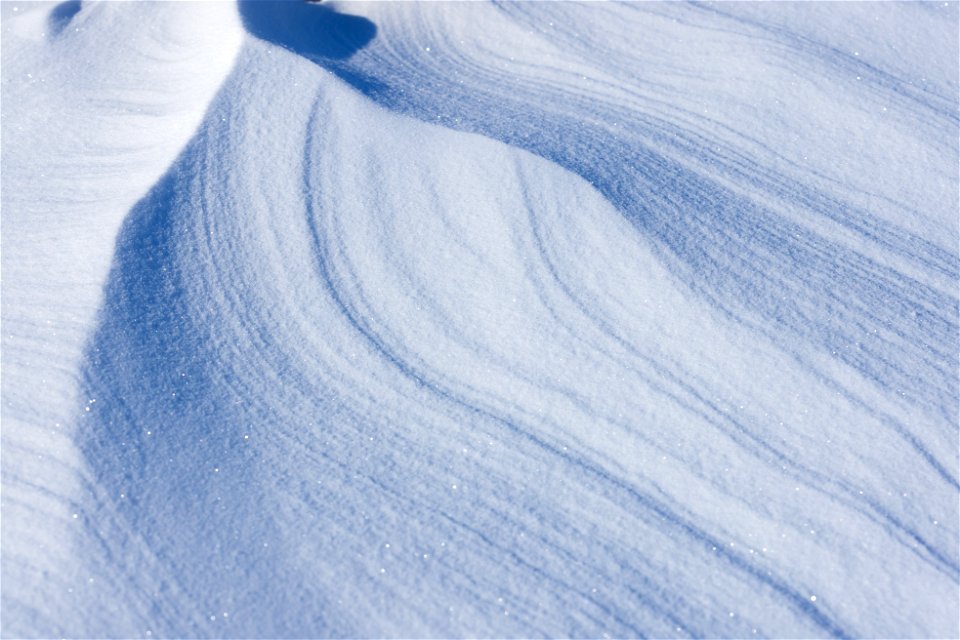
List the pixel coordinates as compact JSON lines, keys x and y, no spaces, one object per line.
{"x":461,"y":319}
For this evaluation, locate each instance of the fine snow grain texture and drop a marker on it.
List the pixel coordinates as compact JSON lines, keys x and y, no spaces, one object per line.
{"x":498,"y":320}
{"x":98,"y":100}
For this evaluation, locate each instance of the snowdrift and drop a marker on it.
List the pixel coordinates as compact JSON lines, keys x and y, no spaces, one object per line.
{"x":455,"y":319}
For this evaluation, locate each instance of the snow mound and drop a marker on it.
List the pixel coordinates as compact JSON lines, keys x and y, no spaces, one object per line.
{"x":98,"y":100}
{"x":446,"y":319}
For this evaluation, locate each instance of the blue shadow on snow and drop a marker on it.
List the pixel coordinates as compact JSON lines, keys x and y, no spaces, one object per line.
{"x":312,"y":30}
{"x":61,"y":15}
{"x":315,"y":31}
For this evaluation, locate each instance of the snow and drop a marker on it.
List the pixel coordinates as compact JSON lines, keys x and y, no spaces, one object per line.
{"x":460,"y":319}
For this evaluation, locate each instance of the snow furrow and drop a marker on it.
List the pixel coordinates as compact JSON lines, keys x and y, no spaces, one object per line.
{"x":500,"y":320}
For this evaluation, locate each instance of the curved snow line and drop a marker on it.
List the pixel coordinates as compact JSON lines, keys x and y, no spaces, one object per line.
{"x":368,"y":383}
{"x":359,"y":375}
{"x":560,"y":458}
{"x":753,"y":258}
{"x":91,"y":119}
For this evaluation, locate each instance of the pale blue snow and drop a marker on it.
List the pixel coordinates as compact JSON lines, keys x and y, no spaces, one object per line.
{"x":467,"y":319}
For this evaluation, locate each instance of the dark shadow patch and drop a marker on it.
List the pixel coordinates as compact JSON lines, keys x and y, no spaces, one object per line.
{"x":313,"y":30}
{"x":61,"y":16}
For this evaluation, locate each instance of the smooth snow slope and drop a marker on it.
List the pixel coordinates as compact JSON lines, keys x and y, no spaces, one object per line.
{"x":97,"y":102}
{"x":494,"y":320}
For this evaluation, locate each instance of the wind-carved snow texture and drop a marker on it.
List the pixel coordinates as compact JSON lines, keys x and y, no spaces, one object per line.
{"x":539,"y":319}
{"x":98,"y":100}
